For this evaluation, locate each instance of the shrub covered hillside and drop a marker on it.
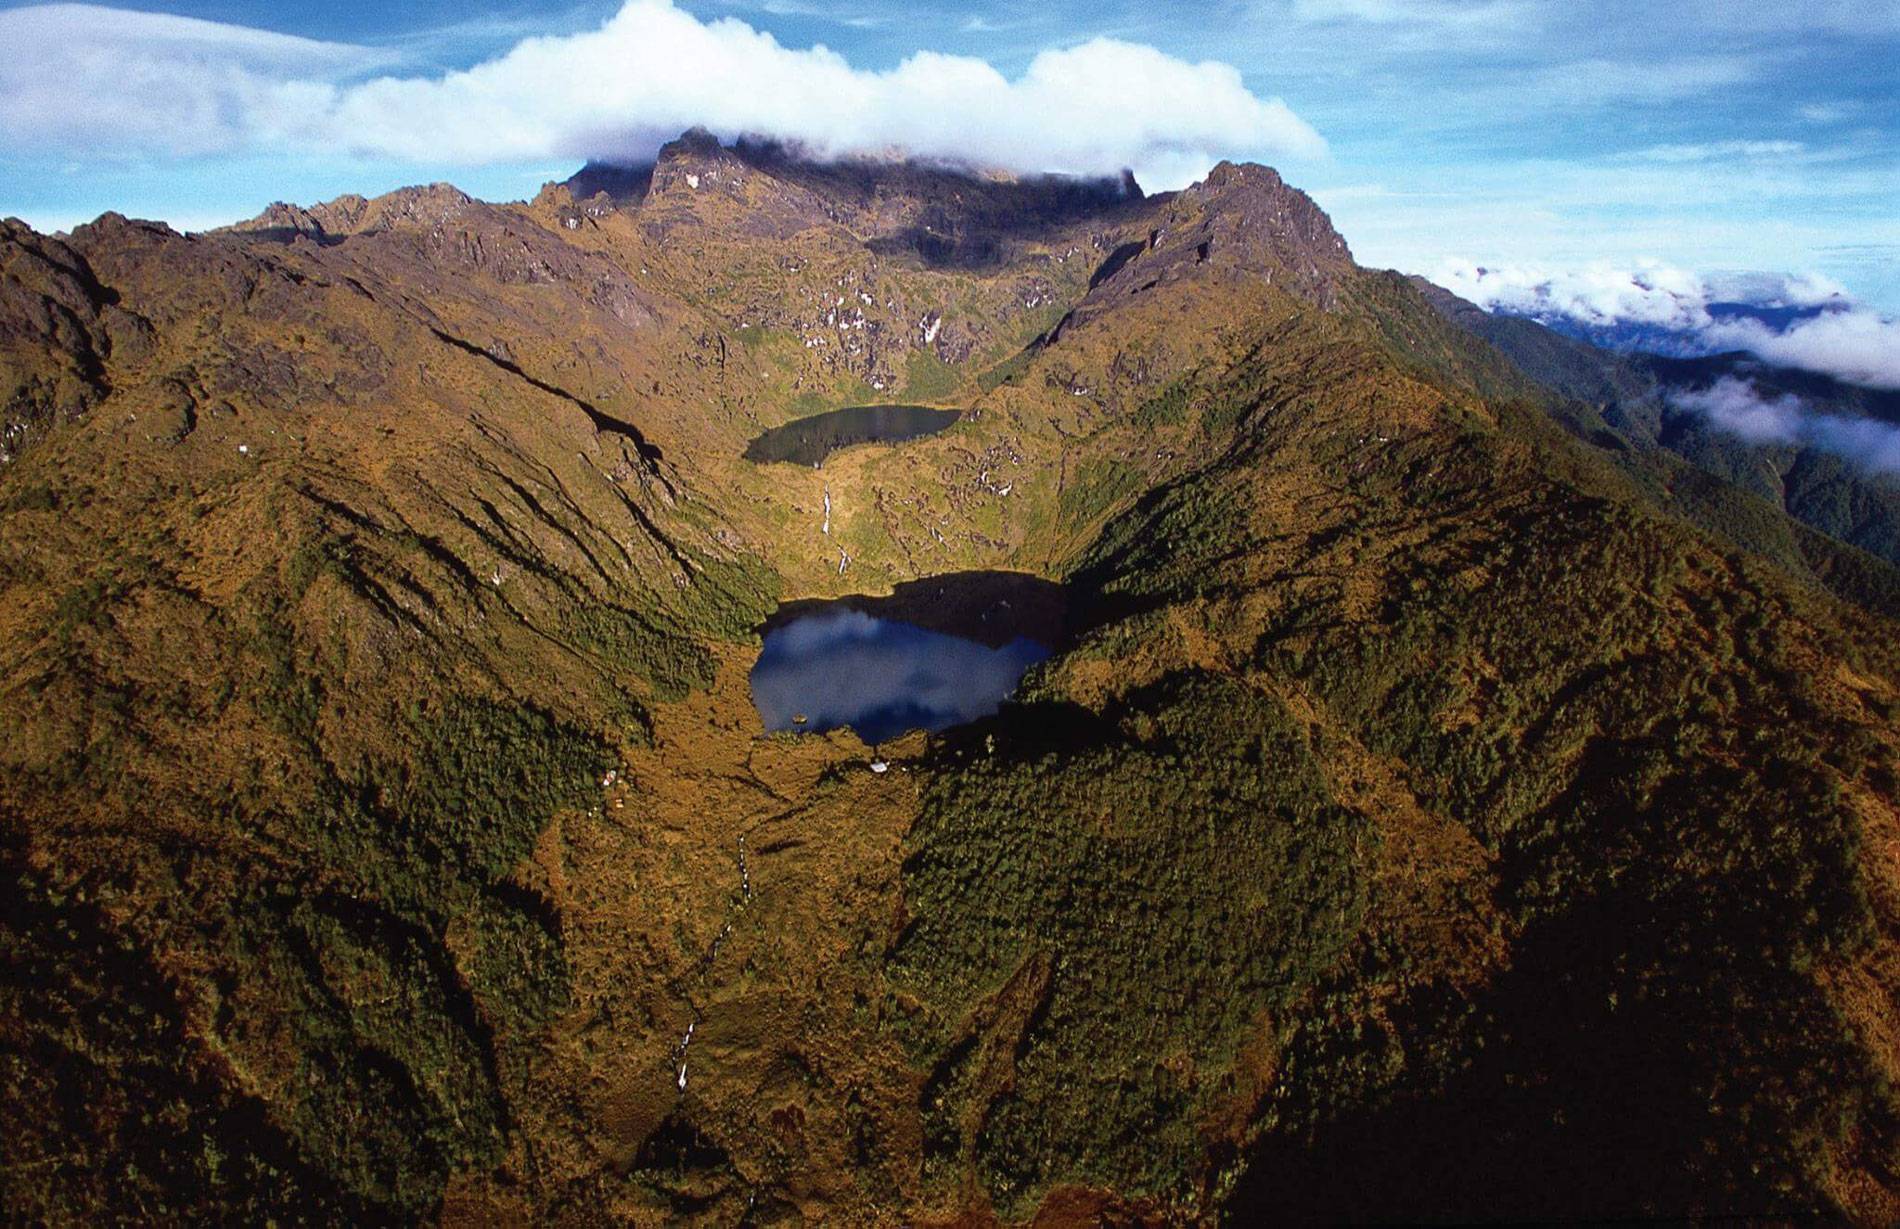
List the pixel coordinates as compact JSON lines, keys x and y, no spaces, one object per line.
{"x":1434,"y":830}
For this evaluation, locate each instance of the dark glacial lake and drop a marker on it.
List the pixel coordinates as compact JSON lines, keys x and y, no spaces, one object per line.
{"x":808,"y":441}
{"x":939,"y":653}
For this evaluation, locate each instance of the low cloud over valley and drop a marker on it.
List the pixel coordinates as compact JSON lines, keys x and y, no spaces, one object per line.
{"x":1736,"y":406}
{"x":1804,"y":322}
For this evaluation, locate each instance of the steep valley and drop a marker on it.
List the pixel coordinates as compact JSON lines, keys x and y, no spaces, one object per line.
{"x":1432,"y":808}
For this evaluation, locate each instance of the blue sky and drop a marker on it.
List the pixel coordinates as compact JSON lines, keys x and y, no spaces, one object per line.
{"x":1709,"y":135}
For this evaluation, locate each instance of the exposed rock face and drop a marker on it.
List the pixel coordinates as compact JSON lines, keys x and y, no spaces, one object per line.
{"x":420,"y":207}
{"x":58,"y":328}
{"x":1242,"y":222}
{"x":286,"y":220}
{"x":1249,"y":213}
{"x":944,"y":216}
{"x":387,"y":833}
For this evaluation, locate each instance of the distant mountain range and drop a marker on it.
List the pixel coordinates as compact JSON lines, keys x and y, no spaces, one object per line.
{"x":1631,"y":391}
{"x":1672,"y":341}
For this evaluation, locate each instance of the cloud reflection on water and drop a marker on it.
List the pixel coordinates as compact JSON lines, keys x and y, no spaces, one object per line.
{"x":881,"y":678}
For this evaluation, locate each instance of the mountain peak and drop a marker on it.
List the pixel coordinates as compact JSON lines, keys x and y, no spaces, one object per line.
{"x":352,"y":214}
{"x":697,"y":140}
{"x":945,"y":213}
{"x":1258,"y":196}
{"x":1242,"y":219}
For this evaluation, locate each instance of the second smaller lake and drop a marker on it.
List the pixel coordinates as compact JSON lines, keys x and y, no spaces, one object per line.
{"x":808,"y":441}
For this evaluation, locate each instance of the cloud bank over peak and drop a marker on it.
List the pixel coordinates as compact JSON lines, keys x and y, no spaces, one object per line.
{"x":1807,"y":322}
{"x":115,"y":83}
{"x":1737,"y":407}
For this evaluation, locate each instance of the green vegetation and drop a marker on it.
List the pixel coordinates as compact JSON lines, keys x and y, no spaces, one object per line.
{"x":36,"y":498}
{"x":384,"y":1042}
{"x":1181,"y":873}
{"x":1666,"y":813}
{"x":426,"y":844}
{"x":1169,"y":407}
{"x":105,"y":1105}
{"x":486,"y":779}
{"x":1677,"y":858}
{"x":1008,"y":371}
{"x":928,"y":378}
{"x":85,"y":605}
{"x":1099,"y":486}
{"x":631,"y":642}
{"x":369,"y":946}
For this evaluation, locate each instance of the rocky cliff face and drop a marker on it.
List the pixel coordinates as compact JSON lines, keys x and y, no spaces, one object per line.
{"x":388,"y":832}
{"x":58,"y":329}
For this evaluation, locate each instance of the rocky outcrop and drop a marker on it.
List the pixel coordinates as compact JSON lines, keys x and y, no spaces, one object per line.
{"x":940,"y":215}
{"x":1242,"y":219}
{"x":406,"y":208}
{"x":59,"y":327}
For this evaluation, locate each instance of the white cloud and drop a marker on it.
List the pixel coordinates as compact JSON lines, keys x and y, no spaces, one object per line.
{"x":1602,"y":81}
{"x":1857,"y":346}
{"x":813,"y":11}
{"x":78,"y":78}
{"x":1558,"y":214}
{"x":111,"y":81}
{"x":1720,"y":150}
{"x":83,"y":30}
{"x":1840,"y":338}
{"x":1394,"y":12}
{"x":1406,"y":21}
{"x":1828,"y":112}
{"x":1776,"y":289}
{"x":1849,"y":18}
{"x":1737,"y":407}
{"x":1599,"y":294}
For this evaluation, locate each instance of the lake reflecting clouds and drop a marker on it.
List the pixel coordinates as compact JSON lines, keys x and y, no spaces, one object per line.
{"x":881,"y":677}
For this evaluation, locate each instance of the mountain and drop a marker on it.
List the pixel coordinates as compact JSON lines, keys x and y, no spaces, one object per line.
{"x":1430,"y":810}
